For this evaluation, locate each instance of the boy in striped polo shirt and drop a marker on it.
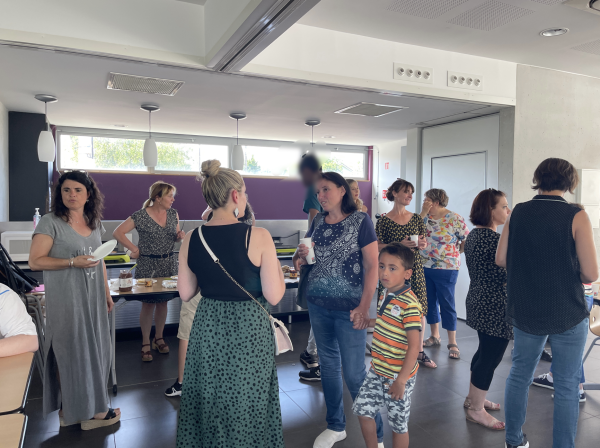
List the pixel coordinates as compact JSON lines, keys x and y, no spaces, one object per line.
{"x":391,"y":379}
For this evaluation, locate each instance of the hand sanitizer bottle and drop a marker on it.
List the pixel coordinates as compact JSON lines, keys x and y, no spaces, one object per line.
{"x":36,"y":218}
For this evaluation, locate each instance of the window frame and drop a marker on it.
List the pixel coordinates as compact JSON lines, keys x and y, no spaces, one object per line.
{"x":194,"y":139}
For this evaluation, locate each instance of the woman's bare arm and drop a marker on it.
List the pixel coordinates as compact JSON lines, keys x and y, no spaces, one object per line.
{"x":125,"y":227}
{"x":40,"y":261}
{"x":502,"y":249}
{"x":271,"y":275}
{"x":584,"y":245}
{"x":187,"y":283}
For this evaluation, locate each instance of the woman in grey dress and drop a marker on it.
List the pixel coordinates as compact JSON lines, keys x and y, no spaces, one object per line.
{"x":157,"y":224}
{"x":77,"y":348}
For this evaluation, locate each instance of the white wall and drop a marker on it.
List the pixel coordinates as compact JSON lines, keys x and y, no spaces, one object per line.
{"x":557,"y":115}
{"x":383,"y":177}
{"x":3,"y":163}
{"x":328,"y":56}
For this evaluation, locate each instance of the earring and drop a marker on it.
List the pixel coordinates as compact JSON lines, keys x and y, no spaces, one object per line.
{"x":236,"y":212}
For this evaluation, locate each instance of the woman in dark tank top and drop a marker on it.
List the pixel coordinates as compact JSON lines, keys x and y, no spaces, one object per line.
{"x":231,"y":351}
{"x":547,"y":247}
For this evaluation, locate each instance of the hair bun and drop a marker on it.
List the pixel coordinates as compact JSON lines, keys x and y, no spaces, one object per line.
{"x":210,"y":168}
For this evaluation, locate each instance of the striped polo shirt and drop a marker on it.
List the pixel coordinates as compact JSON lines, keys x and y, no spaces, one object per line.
{"x":402,"y":313}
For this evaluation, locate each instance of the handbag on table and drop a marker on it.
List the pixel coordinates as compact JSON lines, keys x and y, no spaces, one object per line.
{"x":281,"y":335}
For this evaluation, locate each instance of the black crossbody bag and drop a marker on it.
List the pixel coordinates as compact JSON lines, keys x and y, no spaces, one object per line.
{"x":301,"y":299}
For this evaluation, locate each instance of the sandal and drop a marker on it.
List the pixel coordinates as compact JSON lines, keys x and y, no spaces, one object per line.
{"x":432,"y":341}
{"x":426,"y":361}
{"x":162,"y":348}
{"x":454,"y":354}
{"x":488,"y":407}
{"x":492,"y":425}
{"x":110,"y":419}
{"x":146,"y":355}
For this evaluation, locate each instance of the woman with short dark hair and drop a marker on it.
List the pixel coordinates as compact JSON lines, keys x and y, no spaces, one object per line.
{"x":486,"y":303}
{"x":77,"y":350}
{"x":445,"y":232}
{"x":547,"y":247}
{"x":340,"y":287}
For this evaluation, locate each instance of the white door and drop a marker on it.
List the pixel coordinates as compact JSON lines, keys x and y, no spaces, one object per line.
{"x":462,"y":159}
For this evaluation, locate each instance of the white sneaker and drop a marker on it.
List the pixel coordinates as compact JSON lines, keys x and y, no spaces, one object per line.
{"x":380,"y":445}
{"x":328,"y":437}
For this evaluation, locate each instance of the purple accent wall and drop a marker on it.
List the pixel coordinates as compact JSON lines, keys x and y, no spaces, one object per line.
{"x":270,"y":198}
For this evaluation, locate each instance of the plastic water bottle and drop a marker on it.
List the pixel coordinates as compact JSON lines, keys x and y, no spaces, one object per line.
{"x":36,"y":218}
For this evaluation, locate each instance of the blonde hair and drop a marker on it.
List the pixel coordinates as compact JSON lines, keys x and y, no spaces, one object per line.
{"x":158,"y":189}
{"x":359,"y":202}
{"x":217,"y":183}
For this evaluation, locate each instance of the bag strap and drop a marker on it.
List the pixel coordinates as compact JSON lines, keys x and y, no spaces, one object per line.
{"x":216,"y":260}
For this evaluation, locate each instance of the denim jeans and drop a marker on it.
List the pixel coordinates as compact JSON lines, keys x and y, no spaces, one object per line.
{"x":567,"y":351}
{"x":441,"y":284}
{"x":340,"y":346}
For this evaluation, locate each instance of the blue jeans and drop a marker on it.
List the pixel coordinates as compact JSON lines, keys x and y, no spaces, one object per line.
{"x":590,"y":303}
{"x":340,"y":345}
{"x":441,"y":284}
{"x":567,"y":351}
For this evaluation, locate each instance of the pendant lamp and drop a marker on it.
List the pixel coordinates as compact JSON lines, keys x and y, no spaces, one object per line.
{"x":237,"y":154}
{"x":46,"y":143}
{"x":312,"y":124}
{"x":150,"y":150}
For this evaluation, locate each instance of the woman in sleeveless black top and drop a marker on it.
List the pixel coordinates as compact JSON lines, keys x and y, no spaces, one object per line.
{"x":547,"y":247}
{"x":230,"y":392}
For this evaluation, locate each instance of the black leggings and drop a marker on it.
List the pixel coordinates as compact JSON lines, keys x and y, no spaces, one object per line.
{"x":487,"y":357}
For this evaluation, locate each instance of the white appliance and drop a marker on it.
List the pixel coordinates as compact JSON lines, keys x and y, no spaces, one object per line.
{"x":17,"y":243}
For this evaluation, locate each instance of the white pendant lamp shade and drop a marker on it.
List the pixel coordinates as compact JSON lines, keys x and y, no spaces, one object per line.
{"x":46,"y":147}
{"x":238,"y":159}
{"x":150,"y":149}
{"x":150,"y":153}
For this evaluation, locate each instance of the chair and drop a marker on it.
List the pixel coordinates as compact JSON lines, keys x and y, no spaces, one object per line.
{"x":595,"y":329}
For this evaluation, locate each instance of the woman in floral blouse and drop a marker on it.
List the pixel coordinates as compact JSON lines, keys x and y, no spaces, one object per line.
{"x":445,"y":232}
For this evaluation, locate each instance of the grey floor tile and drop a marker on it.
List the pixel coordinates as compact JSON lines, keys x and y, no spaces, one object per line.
{"x":144,"y":400}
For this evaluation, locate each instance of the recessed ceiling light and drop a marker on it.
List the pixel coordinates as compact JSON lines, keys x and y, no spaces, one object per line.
{"x":551,"y":32}
{"x":120,"y":125}
{"x":329,"y":136}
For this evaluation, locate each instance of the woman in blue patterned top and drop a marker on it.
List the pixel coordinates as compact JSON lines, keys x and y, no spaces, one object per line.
{"x":340,"y":287}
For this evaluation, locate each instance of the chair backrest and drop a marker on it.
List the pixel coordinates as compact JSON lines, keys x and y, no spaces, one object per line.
{"x":595,"y":320}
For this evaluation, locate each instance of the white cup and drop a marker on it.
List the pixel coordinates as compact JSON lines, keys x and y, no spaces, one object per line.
{"x":310,"y":258}
{"x":595,"y":289}
{"x":415,"y":239}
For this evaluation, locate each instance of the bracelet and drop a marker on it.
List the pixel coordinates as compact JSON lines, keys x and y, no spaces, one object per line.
{"x":71,"y":262}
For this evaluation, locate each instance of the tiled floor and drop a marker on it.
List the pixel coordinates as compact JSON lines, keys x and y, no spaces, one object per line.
{"x":437,"y":417}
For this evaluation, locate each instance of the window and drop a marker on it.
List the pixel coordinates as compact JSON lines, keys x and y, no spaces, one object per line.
{"x":104,"y":150}
{"x":121,"y":154}
{"x":348,"y":164}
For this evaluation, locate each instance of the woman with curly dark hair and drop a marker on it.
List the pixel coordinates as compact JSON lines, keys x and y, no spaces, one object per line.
{"x":77,"y":350}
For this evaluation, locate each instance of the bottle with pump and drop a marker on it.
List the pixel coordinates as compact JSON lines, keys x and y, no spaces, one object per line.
{"x":36,"y":218}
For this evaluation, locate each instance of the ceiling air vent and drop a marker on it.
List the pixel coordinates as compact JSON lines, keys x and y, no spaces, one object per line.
{"x":369,"y":109}
{"x":132,"y":83}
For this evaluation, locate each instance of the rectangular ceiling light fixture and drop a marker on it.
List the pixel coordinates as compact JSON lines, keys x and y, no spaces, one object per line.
{"x":370,"y":109}
{"x":132,"y":83}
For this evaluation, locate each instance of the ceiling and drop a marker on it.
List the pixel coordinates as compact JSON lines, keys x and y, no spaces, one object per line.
{"x":506,"y":30}
{"x":276,"y":109}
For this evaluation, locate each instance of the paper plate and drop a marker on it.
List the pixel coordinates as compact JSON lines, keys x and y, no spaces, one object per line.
{"x":104,"y":250}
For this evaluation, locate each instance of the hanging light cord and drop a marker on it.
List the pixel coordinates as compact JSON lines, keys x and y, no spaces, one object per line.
{"x":150,"y":122}
{"x":46,"y":115}
{"x":237,"y":132}
{"x":312,"y":136}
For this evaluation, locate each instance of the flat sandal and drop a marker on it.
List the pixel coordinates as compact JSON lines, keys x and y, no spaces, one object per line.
{"x":492,"y":424}
{"x":432,"y":341}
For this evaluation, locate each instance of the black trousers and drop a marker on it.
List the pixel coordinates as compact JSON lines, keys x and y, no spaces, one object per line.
{"x":487,"y":357}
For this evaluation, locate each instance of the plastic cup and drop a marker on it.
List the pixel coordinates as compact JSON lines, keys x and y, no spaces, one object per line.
{"x":415,"y":239}
{"x":310,"y":258}
{"x":595,"y":289}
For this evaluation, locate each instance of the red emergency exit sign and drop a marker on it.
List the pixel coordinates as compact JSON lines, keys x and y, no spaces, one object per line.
{"x":387,"y":165}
